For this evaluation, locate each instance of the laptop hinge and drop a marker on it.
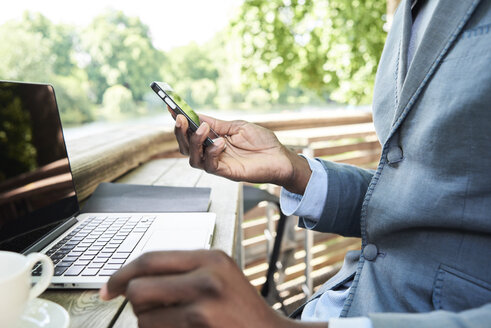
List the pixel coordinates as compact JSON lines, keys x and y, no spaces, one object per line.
{"x":55,"y":233}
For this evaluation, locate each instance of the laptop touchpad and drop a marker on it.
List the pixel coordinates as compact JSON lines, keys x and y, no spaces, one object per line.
{"x":174,"y":239}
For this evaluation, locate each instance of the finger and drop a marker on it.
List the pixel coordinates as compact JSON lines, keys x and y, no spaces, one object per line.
{"x":180,"y":130}
{"x":213,"y":155}
{"x":222,"y":127}
{"x":172,"y":112}
{"x":145,"y":293}
{"x":153,"y":263}
{"x":196,"y":142}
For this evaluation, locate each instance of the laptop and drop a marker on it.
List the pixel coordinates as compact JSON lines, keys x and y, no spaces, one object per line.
{"x":39,"y":210}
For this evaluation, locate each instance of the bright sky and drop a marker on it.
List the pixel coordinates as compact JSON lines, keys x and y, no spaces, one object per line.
{"x":172,"y":23}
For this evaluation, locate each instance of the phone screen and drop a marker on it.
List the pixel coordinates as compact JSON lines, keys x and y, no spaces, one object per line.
{"x":180,"y":106}
{"x":181,"y":102}
{"x":184,"y":106}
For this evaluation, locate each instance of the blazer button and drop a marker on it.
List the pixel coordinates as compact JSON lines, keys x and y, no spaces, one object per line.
{"x":370,"y":252}
{"x":394,"y":155}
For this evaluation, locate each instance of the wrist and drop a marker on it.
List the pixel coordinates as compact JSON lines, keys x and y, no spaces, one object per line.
{"x":299,"y":174}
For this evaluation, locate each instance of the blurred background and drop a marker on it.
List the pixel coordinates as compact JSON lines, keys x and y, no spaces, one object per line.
{"x":232,"y":56}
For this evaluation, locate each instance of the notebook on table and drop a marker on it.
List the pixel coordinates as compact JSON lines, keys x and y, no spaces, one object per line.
{"x":39,"y":210}
{"x":117,"y":197}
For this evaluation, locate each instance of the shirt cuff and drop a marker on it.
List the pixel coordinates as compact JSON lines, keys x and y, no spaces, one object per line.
{"x":357,"y":322}
{"x":310,"y":205}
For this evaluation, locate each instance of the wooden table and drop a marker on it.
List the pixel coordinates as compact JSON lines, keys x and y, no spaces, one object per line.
{"x":85,"y":307}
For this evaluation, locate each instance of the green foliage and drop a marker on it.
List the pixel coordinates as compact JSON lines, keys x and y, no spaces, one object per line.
{"x":61,"y":39}
{"x":331,"y":47}
{"x":276,"y":52}
{"x":114,"y":50}
{"x":258,"y":98}
{"x":15,"y":139}
{"x":121,"y":52}
{"x":203,"y":92}
{"x":36,"y":50}
{"x":192,"y":73}
{"x":192,"y":61}
{"x":116,"y":103}
{"x":25,"y":55}
{"x":72,"y":96}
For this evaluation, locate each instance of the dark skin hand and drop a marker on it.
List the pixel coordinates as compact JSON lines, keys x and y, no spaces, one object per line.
{"x":193,"y":289}
{"x":244,"y":152}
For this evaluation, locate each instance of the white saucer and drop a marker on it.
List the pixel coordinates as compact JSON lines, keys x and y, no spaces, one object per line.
{"x":42,"y":313}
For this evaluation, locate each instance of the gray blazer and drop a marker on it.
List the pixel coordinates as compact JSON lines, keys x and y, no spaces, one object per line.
{"x":424,"y":215}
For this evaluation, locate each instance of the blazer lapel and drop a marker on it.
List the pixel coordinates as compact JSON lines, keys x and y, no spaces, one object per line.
{"x":446,"y":24}
{"x":407,"y":23}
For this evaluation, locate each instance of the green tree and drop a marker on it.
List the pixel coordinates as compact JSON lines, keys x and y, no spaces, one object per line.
{"x":25,"y":55}
{"x":191,"y":61}
{"x":36,"y":50}
{"x":17,"y":152}
{"x":203,"y":92}
{"x":330,"y":47}
{"x":121,"y":52}
{"x":192,"y":72}
{"x":62,"y":39}
{"x":117,"y":103}
{"x":72,"y":95}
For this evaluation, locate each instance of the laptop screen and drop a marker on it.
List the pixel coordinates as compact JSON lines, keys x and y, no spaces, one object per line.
{"x":36,"y":187}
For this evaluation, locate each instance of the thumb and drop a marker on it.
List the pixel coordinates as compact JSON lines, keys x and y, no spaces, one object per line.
{"x":213,"y":154}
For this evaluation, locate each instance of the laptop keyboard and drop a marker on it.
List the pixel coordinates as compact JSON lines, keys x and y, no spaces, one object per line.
{"x":99,"y":246}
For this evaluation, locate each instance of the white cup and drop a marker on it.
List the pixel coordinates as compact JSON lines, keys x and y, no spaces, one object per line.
{"x":16,"y":283}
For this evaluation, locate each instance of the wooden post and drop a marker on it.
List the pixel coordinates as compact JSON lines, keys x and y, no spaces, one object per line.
{"x":391,"y":9}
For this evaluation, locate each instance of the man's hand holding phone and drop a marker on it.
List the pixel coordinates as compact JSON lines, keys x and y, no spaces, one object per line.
{"x":236,"y":150}
{"x":244,"y":152}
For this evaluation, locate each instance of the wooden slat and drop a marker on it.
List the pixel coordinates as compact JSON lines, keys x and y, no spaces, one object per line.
{"x":362,"y":159}
{"x":287,"y":122}
{"x":321,"y":239}
{"x":148,"y":173}
{"x":340,"y":245}
{"x":333,"y":258}
{"x":322,"y":247}
{"x":293,"y":294}
{"x":335,"y":150}
{"x":256,"y":212}
{"x":256,"y":229}
{"x":181,"y":174}
{"x":305,"y":137}
{"x":257,"y":250}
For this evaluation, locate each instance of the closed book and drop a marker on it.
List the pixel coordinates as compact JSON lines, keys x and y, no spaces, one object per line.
{"x":132,"y":198}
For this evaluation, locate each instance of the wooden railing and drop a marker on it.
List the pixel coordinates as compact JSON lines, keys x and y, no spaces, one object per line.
{"x":342,"y":136}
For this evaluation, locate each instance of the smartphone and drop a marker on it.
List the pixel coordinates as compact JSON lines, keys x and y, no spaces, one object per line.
{"x":179,"y":106}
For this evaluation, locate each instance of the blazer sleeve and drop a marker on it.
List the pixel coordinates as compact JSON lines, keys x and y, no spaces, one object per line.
{"x":347,"y":186}
{"x":475,"y":318}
